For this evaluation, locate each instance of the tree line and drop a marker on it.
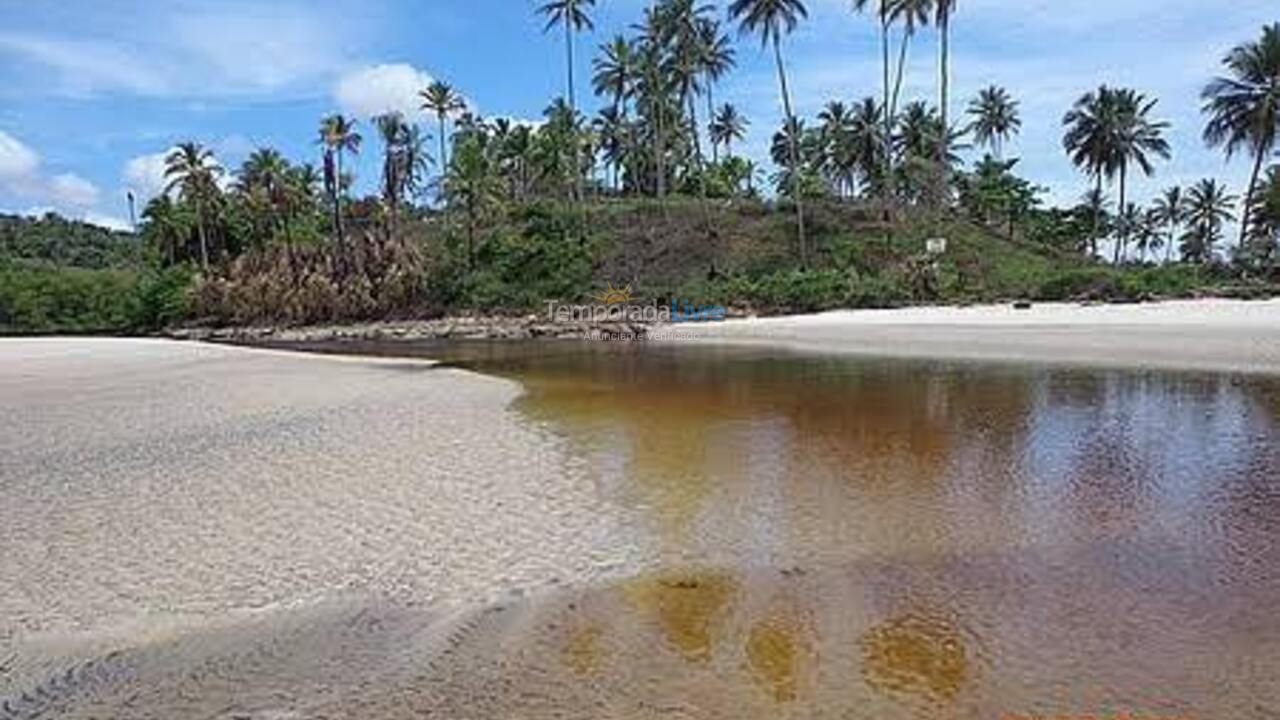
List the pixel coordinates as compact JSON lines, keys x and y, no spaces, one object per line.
{"x":664,"y":130}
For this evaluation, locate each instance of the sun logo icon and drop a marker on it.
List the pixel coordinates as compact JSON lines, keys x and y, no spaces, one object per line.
{"x":613,"y":295}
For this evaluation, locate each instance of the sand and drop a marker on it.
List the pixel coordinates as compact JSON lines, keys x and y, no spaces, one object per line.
{"x":150,"y":487}
{"x":1213,"y":335}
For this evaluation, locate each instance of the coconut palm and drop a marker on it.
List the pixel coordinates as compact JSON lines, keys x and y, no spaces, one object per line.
{"x":440,"y":98}
{"x":1168,"y":211}
{"x":728,"y":125}
{"x":1209,"y":207}
{"x":1089,"y":141}
{"x":716,"y":60}
{"x":1146,"y":233}
{"x":393,"y":131}
{"x":837,"y":158}
{"x":771,"y":19}
{"x":166,"y":225}
{"x":338,"y":136}
{"x":191,"y":169}
{"x":615,"y":73}
{"x":882,"y":14}
{"x":1244,"y":107}
{"x":943,"y":10}
{"x":911,"y":15}
{"x":472,"y":183}
{"x":572,"y":14}
{"x":995,"y":119}
{"x":1264,"y":229}
{"x":1137,"y":140}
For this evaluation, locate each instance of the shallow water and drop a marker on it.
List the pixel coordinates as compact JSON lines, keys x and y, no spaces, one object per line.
{"x":829,"y":538}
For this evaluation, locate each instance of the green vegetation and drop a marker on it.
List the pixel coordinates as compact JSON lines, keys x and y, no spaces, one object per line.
{"x":509,"y":215}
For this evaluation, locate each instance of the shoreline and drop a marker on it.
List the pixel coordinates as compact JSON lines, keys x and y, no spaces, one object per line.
{"x":1217,"y":335}
{"x":1200,"y":335}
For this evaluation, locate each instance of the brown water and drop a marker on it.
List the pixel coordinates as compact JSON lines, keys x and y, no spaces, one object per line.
{"x":842,"y":538}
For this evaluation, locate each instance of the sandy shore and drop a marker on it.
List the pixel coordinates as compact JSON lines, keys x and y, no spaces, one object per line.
{"x":150,"y":486}
{"x":1215,"y":335}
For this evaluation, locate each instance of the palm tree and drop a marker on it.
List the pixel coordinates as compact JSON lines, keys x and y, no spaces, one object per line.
{"x":944,"y":9}
{"x":716,"y":60}
{"x":165,"y":224}
{"x":572,"y":14}
{"x":912,"y":14}
{"x":394,"y":133}
{"x":1137,"y":140}
{"x":837,"y":159}
{"x":1168,"y":211}
{"x":1244,"y":108}
{"x":866,"y":142}
{"x":440,"y":98}
{"x":1089,"y":140}
{"x":191,"y":169}
{"x":1265,"y":225}
{"x":472,"y":183}
{"x":1146,"y":233}
{"x":265,"y":173}
{"x":1209,"y":207}
{"x":728,"y":125}
{"x":771,"y":19}
{"x":995,"y":118}
{"x":882,"y":12}
{"x":338,"y":135}
{"x":615,"y":71}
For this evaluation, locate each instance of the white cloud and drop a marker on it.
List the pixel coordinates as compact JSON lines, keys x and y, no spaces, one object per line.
{"x":378,"y":89}
{"x":230,"y":49}
{"x":16,"y":160}
{"x":69,"y":190}
{"x":111,"y":222}
{"x":144,"y":175}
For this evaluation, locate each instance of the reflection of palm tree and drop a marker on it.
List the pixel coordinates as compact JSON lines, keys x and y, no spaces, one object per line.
{"x":1244,"y":108}
{"x":191,"y":169}
{"x":771,"y":19}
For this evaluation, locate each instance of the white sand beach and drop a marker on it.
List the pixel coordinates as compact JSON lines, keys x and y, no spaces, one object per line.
{"x":1213,"y":335}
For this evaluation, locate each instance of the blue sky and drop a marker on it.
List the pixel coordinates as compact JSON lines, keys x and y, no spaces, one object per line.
{"x":92,"y":92}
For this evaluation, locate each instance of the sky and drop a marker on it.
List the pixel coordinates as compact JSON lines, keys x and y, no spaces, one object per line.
{"x":94,"y":92}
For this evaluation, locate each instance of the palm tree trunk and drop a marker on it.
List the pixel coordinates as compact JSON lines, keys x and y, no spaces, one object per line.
{"x":1248,"y":196}
{"x":1097,"y":218}
{"x":791,"y":148}
{"x":1168,"y":249}
{"x":944,"y":85}
{"x":337,"y":201}
{"x":900,"y":72}
{"x":888,"y":118}
{"x":1122,"y":239}
{"x":573,"y":109}
{"x":711,"y":114}
{"x":204,"y":244}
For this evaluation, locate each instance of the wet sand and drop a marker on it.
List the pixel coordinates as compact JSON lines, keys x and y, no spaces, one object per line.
{"x":1213,"y":335}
